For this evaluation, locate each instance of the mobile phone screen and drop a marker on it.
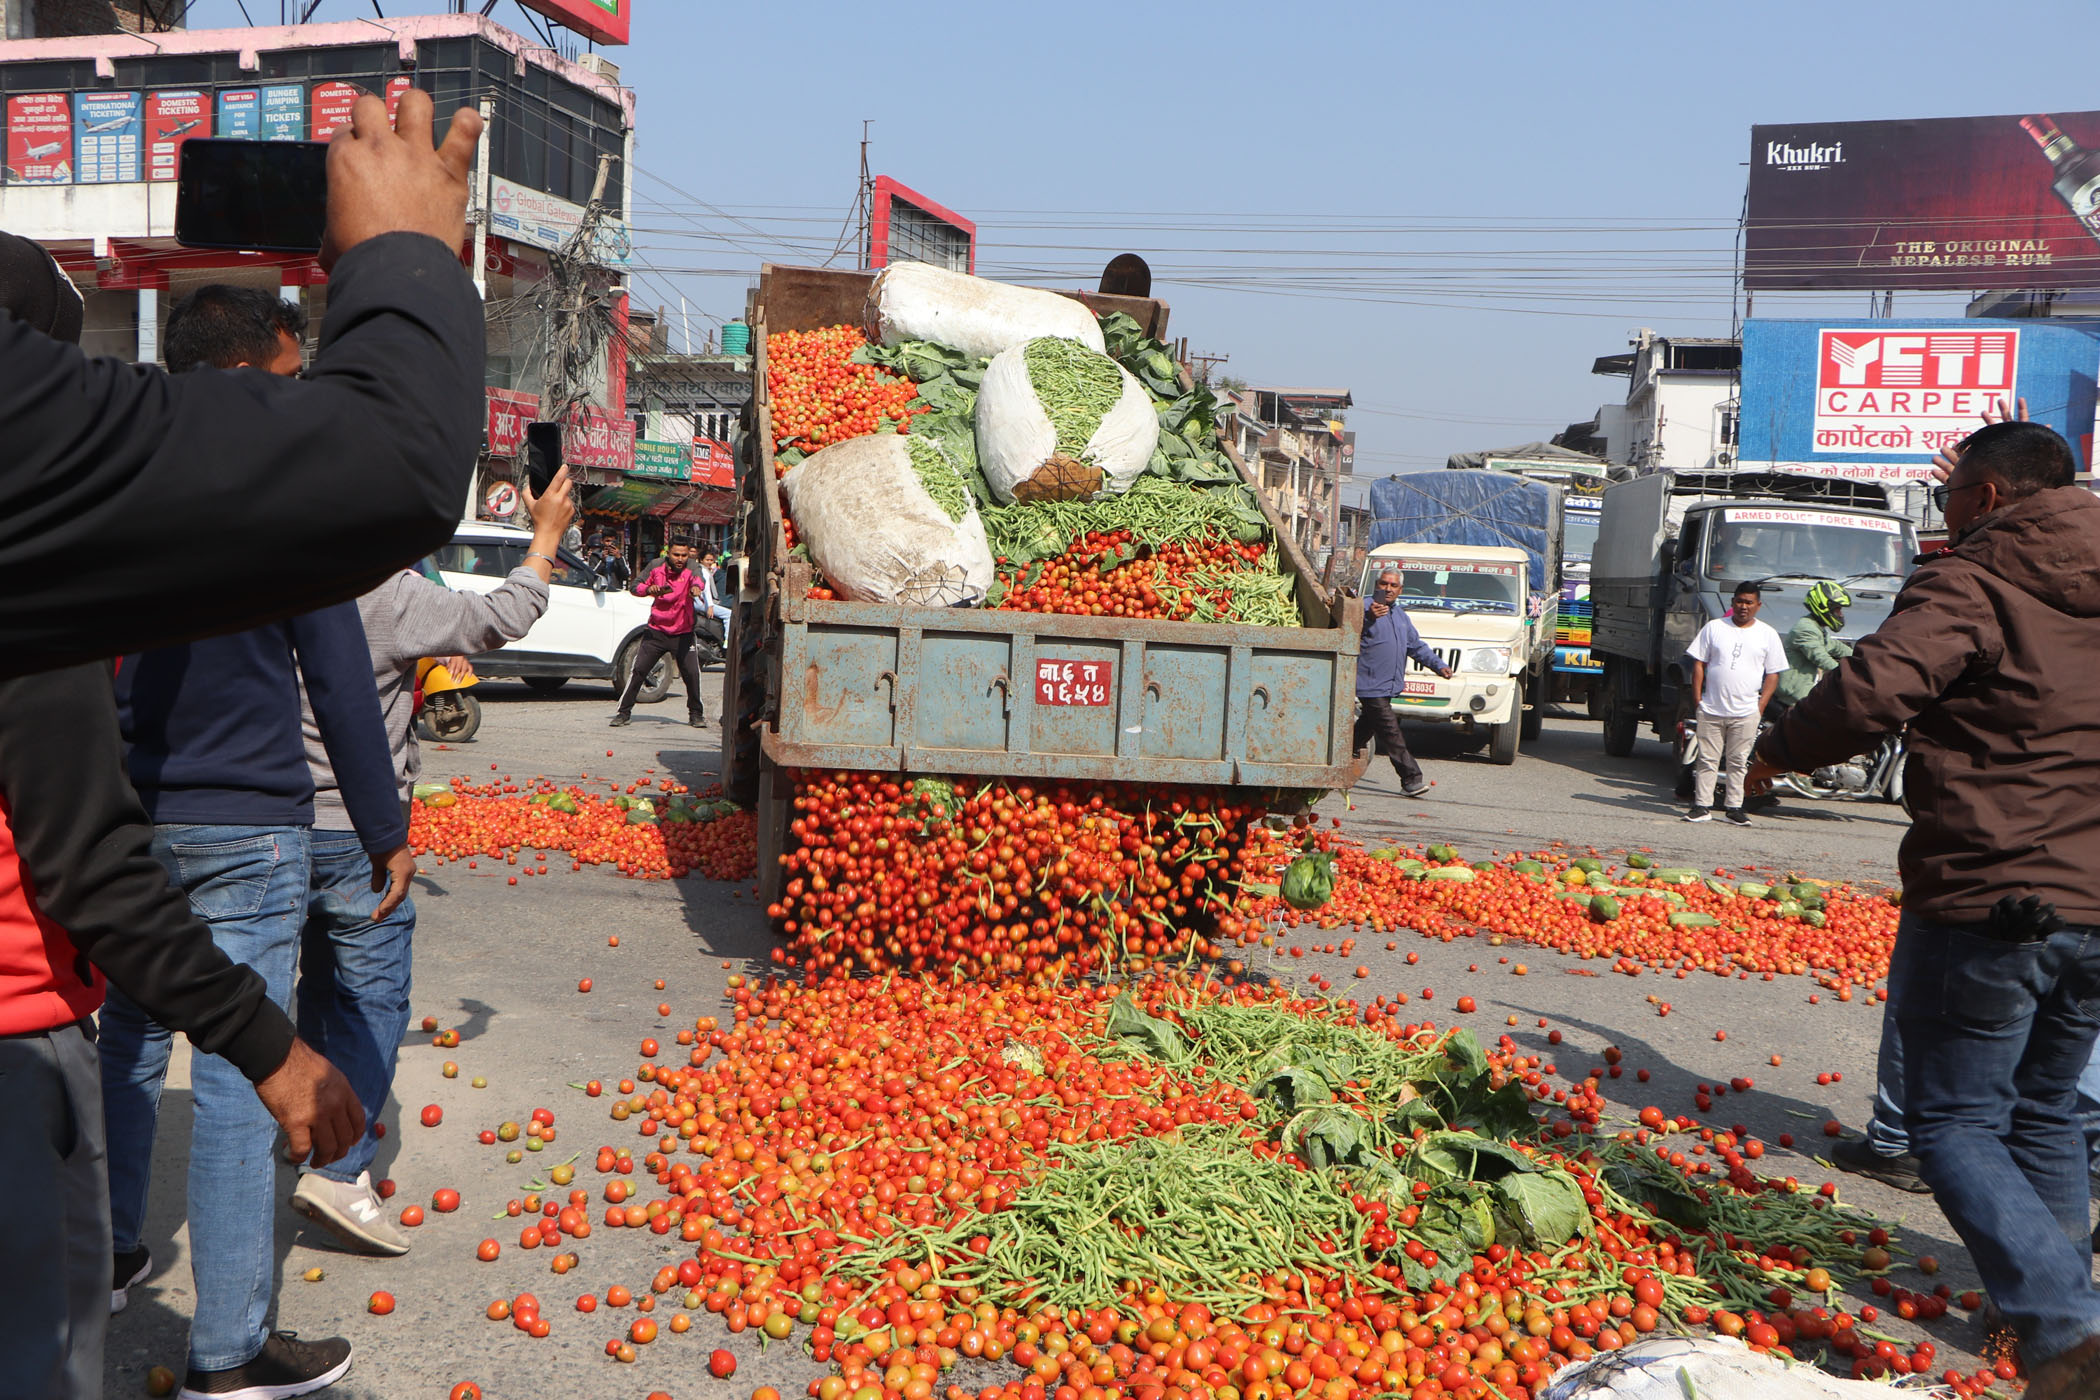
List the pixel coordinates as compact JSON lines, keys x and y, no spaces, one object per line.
{"x":265,"y":196}
{"x":542,"y":455}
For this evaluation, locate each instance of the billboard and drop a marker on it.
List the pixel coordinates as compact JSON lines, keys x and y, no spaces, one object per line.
{"x":106,"y":137}
{"x":173,"y":117}
{"x":909,"y":227}
{"x":603,"y":20}
{"x":1874,"y":400}
{"x":1950,"y":203}
{"x":40,"y":139}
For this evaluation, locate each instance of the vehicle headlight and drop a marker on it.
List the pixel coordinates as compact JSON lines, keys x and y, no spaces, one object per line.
{"x":1493,"y":660}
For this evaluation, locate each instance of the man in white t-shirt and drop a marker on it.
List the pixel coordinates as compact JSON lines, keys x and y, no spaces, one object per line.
{"x":1736,"y":665}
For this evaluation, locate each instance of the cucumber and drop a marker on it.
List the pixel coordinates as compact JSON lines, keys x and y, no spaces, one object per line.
{"x":1692,"y":919}
{"x":1529,"y":867}
{"x":1483,"y":865}
{"x":1588,"y":865}
{"x":1815,"y":918}
{"x":1442,"y":853}
{"x":1410,"y":865}
{"x":1788,"y":909}
{"x":1454,"y":874}
{"x":1635,"y":877}
{"x":1385,"y":853}
{"x":1720,"y":887}
{"x":1674,"y":876}
{"x":1640,"y":861}
{"x":1750,"y":889}
{"x":1603,"y":908}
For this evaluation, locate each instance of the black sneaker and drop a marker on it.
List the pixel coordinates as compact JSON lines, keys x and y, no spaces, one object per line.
{"x":284,"y":1367}
{"x":697,"y":721}
{"x":1699,"y":814}
{"x":618,"y":720}
{"x":1737,"y":817}
{"x":129,"y":1269}
{"x":1419,"y":790}
{"x":1857,"y":1156}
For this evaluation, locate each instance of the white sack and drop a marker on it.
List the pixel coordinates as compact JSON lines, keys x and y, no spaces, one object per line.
{"x":1712,"y":1368}
{"x":918,"y":301}
{"x":877,"y":535}
{"x":1017,"y":445}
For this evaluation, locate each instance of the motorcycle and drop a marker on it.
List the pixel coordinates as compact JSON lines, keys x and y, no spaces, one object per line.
{"x":1878,"y":774}
{"x":445,"y":712}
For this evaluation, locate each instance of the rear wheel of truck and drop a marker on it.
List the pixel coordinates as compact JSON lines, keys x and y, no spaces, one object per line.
{"x":1622,"y":721}
{"x":1502,"y":742}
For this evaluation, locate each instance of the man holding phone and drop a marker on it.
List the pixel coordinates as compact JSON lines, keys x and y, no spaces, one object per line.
{"x":674,"y":585}
{"x":329,"y":484}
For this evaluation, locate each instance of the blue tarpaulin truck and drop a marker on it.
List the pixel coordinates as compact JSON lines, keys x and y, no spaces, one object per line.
{"x":1479,"y":558}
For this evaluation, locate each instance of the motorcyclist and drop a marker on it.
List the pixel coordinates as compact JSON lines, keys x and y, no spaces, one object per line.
{"x":1813,"y":645}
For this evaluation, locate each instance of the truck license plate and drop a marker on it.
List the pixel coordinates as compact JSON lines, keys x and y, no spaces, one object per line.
{"x":1420,"y":688}
{"x":1072,"y":682}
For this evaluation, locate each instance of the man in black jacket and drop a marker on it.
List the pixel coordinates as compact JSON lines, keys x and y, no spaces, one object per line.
{"x":80,"y":896}
{"x":327,"y":485}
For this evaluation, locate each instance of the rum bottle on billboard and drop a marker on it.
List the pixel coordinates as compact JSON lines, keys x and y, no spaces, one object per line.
{"x":2077,"y":170}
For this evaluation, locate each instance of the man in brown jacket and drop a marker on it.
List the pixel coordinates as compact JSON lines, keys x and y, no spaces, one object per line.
{"x":1991,"y":658}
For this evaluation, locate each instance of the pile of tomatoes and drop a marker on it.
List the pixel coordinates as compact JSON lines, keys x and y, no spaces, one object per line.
{"x":1156,"y":586}
{"x":834,"y":1116}
{"x":1550,"y":910}
{"x":498,"y":820}
{"x":1016,"y":879}
{"x":820,"y":396}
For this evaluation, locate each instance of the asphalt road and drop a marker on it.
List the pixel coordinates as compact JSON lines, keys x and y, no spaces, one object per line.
{"x":501,"y":963}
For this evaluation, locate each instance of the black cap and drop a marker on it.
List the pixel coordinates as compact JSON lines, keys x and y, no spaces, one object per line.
{"x":35,"y":290}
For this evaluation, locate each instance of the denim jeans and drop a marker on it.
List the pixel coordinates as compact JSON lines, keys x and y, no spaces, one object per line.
{"x":353,"y":982}
{"x":249,"y":884}
{"x":1993,"y":1038}
{"x":1887,"y":1134}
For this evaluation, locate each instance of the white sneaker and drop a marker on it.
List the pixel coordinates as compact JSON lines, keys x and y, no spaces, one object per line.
{"x":349,"y":1210}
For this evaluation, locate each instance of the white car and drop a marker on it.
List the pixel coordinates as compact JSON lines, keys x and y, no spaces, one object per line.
{"x":589,"y":631}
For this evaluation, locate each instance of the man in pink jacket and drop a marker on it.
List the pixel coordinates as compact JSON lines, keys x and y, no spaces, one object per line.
{"x":674,"y":584}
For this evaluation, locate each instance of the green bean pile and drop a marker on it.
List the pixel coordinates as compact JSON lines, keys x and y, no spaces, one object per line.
{"x":1259,"y":597}
{"x":1155,"y":510}
{"x":940,"y":478}
{"x":1076,"y":387}
{"x":1198,"y":1214}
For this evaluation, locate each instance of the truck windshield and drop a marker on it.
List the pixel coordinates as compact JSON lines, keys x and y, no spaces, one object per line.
{"x":1579,"y":535}
{"x":1456,"y":588}
{"x":1761,"y":544}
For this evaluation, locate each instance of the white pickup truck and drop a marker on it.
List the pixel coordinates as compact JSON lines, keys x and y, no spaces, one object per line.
{"x":1471,"y":605}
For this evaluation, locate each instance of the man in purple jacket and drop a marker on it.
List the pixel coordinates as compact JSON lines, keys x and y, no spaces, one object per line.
{"x":674,"y":585}
{"x":1389,"y":641}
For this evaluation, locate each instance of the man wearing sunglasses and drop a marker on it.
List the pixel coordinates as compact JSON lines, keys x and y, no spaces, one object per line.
{"x":1987,"y":657}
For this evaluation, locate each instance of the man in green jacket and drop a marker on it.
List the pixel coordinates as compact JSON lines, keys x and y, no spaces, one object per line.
{"x":1813,"y":645}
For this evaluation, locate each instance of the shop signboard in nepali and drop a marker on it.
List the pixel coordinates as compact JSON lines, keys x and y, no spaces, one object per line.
{"x":1874,"y":401}
{"x":39,"y":139}
{"x":665,"y":461}
{"x":106,"y":127}
{"x":173,"y":117}
{"x":509,"y":412}
{"x":596,"y":441}
{"x":603,"y":20}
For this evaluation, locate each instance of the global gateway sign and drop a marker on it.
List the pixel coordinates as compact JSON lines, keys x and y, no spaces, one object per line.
{"x":603,"y":20}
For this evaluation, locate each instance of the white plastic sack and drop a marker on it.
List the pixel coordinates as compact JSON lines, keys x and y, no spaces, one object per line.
{"x":1712,"y":1368}
{"x":877,"y":534}
{"x":1017,"y":443}
{"x":918,"y":301}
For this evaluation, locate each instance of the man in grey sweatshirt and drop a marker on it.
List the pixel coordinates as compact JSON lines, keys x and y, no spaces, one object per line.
{"x":354,"y":968}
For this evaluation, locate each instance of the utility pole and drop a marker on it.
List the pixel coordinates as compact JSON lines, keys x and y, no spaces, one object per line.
{"x":864,"y":201}
{"x":1202,"y":365}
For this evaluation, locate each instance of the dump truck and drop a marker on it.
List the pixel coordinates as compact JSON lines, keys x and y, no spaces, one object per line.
{"x":821,"y":683}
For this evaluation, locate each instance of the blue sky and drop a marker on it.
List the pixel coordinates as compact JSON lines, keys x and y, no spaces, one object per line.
{"x":1451,"y":210}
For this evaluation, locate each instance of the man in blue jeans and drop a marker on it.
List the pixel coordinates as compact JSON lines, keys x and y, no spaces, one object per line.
{"x":214,"y":750}
{"x":354,"y":967}
{"x":1994,"y":986}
